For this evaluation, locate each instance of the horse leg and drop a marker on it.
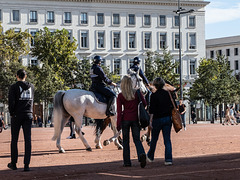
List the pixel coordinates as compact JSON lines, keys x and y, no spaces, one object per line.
{"x":61,"y":150}
{"x":78,"y":125}
{"x":98,"y":141}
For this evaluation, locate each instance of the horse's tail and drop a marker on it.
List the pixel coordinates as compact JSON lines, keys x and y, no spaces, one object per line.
{"x":59,"y":113}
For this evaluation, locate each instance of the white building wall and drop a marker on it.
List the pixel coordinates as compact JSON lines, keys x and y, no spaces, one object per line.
{"x":124,"y":7}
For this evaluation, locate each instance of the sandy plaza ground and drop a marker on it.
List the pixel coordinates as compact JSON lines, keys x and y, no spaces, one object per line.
{"x":203,"y":151}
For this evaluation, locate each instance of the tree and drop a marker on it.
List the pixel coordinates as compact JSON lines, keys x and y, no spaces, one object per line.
{"x":161,"y":65}
{"x":215,"y":83}
{"x":12,"y":46}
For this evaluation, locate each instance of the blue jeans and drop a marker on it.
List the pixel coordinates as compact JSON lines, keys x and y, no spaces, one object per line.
{"x":183,"y":120}
{"x":135,"y":128}
{"x":164,"y":124}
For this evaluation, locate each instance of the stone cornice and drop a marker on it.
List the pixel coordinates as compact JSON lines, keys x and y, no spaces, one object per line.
{"x":142,"y":2}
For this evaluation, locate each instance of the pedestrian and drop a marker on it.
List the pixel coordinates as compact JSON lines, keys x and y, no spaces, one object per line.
{"x":20,"y":104}
{"x":237,"y":116}
{"x":127,"y":117}
{"x":99,"y":84}
{"x":182,"y":109}
{"x":35,"y":119}
{"x":160,"y":120}
{"x":227,"y":116}
{"x":2,"y":125}
{"x":72,"y":128}
{"x":193,"y":117}
{"x":39,"y":121}
{"x":232,"y":117}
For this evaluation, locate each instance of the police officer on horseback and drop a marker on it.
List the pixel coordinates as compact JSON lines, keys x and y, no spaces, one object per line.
{"x":100,"y":82}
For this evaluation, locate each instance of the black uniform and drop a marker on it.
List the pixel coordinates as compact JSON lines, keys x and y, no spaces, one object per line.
{"x":20,"y":99}
{"x":136,"y":68}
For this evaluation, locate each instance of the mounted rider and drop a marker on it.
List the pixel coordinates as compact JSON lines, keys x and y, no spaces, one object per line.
{"x":100,"y":82}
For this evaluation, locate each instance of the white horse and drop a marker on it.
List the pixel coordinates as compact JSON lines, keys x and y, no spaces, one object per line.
{"x":78,"y":103}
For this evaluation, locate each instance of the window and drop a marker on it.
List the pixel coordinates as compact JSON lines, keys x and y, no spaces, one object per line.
{"x":116,"y":40}
{"x":176,"y":21}
{"x":132,"y":40}
{"x":176,"y":41}
{"x":236,"y":65}
{"x":117,"y":66}
{"x":84,"y":39}
{"x":0,"y":15}
{"x":192,"y":21}
{"x":192,"y":40}
{"x":162,"y":20}
{"x":227,"y":52}
{"x":163,"y":40}
{"x":147,"y":40}
{"x":67,"y":17}
{"x":33,"y":33}
{"x":211,"y":54}
{"x":131,"y":63}
{"x":100,"y":39}
{"x":69,"y":34}
{"x":15,"y":16}
{"x":50,"y":17}
{"x":34,"y":61}
{"x":100,"y":18}
{"x":84,"y":18}
{"x":116,"y":19}
{"x":33,"y":16}
{"x":178,"y":68}
{"x":147,"y":20}
{"x":219,"y":52}
{"x":131,"y":19}
{"x":235,"y":51}
{"x":17,"y":30}
{"x":192,"y":66}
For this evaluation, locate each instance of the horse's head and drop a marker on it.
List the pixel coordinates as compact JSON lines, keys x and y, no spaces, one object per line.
{"x":137,"y":81}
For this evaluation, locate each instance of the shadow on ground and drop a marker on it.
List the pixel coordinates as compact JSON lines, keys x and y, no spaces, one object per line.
{"x":221,"y":166}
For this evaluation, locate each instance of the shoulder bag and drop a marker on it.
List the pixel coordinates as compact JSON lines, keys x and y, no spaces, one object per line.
{"x":176,"y":117}
{"x":143,"y":115}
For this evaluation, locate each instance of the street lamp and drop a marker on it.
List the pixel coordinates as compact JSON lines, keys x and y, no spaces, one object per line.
{"x":179,"y":12}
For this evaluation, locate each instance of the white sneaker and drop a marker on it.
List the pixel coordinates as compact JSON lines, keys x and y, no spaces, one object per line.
{"x":185,"y":129}
{"x":168,"y":163}
{"x":149,"y":160}
{"x":69,"y":137}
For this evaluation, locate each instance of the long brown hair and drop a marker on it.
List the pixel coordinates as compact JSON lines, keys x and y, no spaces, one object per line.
{"x":126,"y":87}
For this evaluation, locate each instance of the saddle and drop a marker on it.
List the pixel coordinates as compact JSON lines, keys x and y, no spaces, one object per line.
{"x":99,"y":97}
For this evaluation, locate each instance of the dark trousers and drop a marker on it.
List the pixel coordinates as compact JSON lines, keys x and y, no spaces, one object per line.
{"x":135,"y":128}
{"x":24,"y":120}
{"x":106,"y":91}
{"x":164,"y":124}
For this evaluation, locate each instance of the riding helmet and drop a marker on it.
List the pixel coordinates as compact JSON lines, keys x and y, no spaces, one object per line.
{"x":97,"y":59}
{"x":136,"y":60}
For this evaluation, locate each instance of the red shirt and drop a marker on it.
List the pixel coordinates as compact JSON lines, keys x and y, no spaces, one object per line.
{"x":129,"y":112}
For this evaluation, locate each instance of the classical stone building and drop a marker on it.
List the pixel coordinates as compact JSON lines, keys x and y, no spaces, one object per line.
{"x":118,"y":30}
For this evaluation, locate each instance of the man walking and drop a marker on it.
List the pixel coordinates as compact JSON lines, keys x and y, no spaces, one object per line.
{"x":20,"y":103}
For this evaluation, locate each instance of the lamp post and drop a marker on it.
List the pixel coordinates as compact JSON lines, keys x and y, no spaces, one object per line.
{"x":179,"y":12}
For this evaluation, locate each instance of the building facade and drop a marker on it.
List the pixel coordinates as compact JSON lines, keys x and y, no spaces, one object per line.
{"x":227,"y":46}
{"x":117,"y":30}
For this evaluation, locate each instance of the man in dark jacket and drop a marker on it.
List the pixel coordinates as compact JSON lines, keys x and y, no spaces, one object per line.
{"x":99,"y":82}
{"x":20,"y":103}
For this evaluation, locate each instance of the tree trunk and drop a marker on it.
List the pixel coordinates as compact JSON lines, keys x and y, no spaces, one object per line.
{"x":220,"y":112}
{"x":213,"y":115}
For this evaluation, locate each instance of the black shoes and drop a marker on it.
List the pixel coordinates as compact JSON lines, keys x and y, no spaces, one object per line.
{"x":143,"y":160}
{"x":26,"y":167}
{"x":127,"y":165}
{"x":12,"y":166}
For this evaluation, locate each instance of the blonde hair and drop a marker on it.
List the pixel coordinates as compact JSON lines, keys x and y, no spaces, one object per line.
{"x":127,"y":89}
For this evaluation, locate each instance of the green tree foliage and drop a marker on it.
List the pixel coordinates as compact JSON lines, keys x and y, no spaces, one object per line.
{"x":57,"y":51}
{"x":161,"y":65}
{"x":215,"y":83}
{"x":12,"y":47}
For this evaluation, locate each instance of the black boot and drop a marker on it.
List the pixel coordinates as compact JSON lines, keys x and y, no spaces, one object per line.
{"x":109,"y":111}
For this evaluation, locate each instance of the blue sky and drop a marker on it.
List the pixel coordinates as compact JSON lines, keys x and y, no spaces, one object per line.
{"x":222,"y":18}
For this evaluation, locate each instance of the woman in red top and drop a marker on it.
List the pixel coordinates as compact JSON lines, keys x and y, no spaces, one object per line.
{"x":127,"y":117}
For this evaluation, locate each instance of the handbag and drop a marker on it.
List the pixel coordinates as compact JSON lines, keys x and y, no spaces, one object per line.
{"x":176,"y":117}
{"x":143,"y":116}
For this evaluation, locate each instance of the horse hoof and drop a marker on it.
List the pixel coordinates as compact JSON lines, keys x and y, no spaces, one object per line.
{"x":106,"y":142}
{"x":89,"y":149}
{"x":62,"y":151}
{"x":120,"y":148}
{"x":98,"y":147}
